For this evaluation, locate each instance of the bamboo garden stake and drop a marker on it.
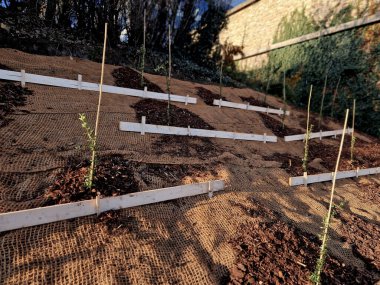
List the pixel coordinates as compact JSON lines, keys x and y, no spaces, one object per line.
{"x":316,"y":276}
{"x":322,"y":102}
{"x":353,"y":138}
{"x":307,"y":136}
{"x":221,"y":77}
{"x":91,"y":176}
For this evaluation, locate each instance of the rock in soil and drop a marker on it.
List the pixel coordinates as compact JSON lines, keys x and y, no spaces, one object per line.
{"x":276,"y":126}
{"x":156,"y":113}
{"x":270,"y":251}
{"x":208,"y":96}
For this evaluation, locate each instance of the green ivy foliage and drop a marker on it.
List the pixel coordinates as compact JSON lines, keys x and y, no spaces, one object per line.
{"x":340,"y":55}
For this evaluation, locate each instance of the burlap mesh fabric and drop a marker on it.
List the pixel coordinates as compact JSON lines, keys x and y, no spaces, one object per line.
{"x":179,"y":242}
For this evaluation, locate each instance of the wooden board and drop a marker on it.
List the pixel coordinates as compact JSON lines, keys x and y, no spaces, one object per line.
{"x":249,"y":107}
{"x":319,"y":135}
{"x":81,"y":85}
{"x":38,"y":216}
{"x":316,"y":178}
{"x":336,"y":29}
{"x":167,"y":130}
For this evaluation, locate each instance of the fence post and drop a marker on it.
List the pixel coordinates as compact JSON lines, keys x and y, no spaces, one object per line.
{"x":23,"y":78}
{"x":143,"y":120}
{"x":305,"y":178}
{"x":80,"y":81}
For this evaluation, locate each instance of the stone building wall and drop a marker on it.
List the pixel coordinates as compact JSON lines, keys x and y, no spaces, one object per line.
{"x":254,"y":23}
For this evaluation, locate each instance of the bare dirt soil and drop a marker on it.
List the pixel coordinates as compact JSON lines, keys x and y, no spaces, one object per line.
{"x":256,"y":102}
{"x":208,"y":96}
{"x":129,"y":78}
{"x":270,"y":251}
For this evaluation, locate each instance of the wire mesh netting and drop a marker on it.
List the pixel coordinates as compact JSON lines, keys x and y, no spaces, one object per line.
{"x":186,"y":241}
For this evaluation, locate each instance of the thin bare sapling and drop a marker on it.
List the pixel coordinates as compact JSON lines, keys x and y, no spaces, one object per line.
{"x":284,"y":99}
{"x":143,"y":51}
{"x":353,"y":138}
{"x":322,"y":101}
{"x":168,"y":78}
{"x":307,"y":135}
{"x":334,"y":98}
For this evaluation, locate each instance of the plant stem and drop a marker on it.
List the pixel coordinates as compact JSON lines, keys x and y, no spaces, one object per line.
{"x":169,"y":76}
{"x":143,"y":51}
{"x":353,"y":129}
{"x":268,"y":83}
{"x":98,"y":111}
{"x":308,"y":130}
{"x":284,"y":98}
{"x":320,"y":263}
{"x":322,"y":102}
{"x":221,"y":78}
{"x":334,"y":98}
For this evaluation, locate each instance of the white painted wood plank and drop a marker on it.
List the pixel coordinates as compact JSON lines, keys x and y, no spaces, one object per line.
{"x":159,"y":195}
{"x":323,"y":177}
{"x":332,"y":30}
{"x":159,"y":129}
{"x":228,"y":104}
{"x":316,"y":135}
{"x":68,"y":83}
{"x":44,"y":215}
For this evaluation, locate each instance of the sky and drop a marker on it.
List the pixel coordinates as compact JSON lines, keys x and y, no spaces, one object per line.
{"x":236,"y":2}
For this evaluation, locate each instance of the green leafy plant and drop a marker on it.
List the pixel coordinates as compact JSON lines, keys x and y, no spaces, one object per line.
{"x":316,"y":275}
{"x":307,"y":136}
{"x":91,"y":139}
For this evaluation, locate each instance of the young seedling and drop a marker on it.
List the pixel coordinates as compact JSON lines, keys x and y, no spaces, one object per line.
{"x":322,"y":102}
{"x":92,"y":166}
{"x":143,"y":51}
{"x":285,"y":105}
{"x":307,"y":136}
{"x":268,"y":84}
{"x":91,"y":139}
{"x":334,"y":98}
{"x":353,"y":138}
{"x":316,"y":276}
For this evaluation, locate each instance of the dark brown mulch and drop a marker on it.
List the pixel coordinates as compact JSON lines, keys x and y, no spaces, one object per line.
{"x":113,"y":177}
{"x":291,"y":164}
{"x":315,"y":122}
{"x":11,"y":96}
{"x":276,"y":126}
{"x":370,"y":191}
{"x":116,"y":176}
{"x":366,"y":155}
{"x":364,"y":237}
{"x":127,"y":77}
{"x":182,"y":146}
{"x":270,"y":251}
{"x":255,"y":102}
{"x":208,"y":96}
{"x":156,"y":113}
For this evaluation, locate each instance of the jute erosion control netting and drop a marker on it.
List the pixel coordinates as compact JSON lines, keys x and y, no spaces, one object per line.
{"x":186,"y":241}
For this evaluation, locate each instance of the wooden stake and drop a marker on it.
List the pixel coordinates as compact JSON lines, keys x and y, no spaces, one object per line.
{"x":328,"y":218}
{"x":99,"y":103}
{"x":352,"y":130}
